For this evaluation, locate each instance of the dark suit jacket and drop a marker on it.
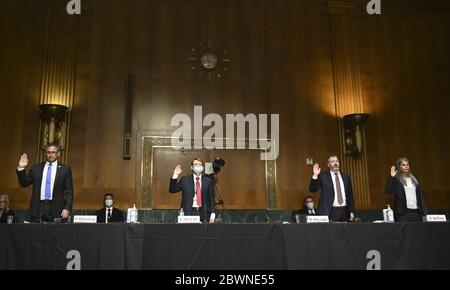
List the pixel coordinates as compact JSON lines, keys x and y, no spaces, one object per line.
{"x":303,"y":213}
{"x":325,"y":183}
{"x":4,"y":216}
{"x":116,"y":215}
{"x":396,"y":187}
{"x":187,"y":186}
{"x":62,"y":189}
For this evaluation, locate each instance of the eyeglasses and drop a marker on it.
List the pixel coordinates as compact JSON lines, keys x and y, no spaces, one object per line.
{"x":51,"y":152}
{"x":3,"y":201}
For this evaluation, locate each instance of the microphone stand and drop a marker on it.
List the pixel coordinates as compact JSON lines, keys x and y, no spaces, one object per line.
{"x":219,"y":199}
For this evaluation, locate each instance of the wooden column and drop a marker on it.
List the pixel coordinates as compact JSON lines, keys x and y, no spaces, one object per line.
{"x":347,"y":89}
{"x":59,"y":66}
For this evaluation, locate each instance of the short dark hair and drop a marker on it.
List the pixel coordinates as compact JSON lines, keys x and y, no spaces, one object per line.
{"x":308,"y":196}
{"x":329,"y":157}
{"x":108,"y":194}
{"x":57,"y":146}
{"x":197,"y":159}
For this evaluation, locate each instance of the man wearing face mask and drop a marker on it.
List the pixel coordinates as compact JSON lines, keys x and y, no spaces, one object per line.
{"x":109,"y":214}
{"x":198,"y":193}
{"x":308,"y":209}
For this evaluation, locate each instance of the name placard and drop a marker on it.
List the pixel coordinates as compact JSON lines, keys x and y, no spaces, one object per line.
{"x":435,"y":218}
{"x":84,"y":219}
{"x":317,"y":219}
{"x":188,"y":219}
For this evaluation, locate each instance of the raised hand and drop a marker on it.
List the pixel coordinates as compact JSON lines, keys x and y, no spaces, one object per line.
{"x":23,"y":162}
{"x":316,"y":169}
{"x":177,"y":171}
{"x":393,"y":171}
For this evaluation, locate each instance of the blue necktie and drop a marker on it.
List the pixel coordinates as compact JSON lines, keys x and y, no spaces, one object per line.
{"x":48,"y":182}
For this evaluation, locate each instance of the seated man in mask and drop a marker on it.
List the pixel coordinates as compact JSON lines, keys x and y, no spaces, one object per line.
{"x":308,"y":209}
{"x":109,"y":214}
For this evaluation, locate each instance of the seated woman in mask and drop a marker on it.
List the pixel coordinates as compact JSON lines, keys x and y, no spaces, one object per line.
{"x":308,"y":209}
{"x":4,"y":209}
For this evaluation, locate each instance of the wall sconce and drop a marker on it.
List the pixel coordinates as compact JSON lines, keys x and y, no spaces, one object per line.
{"x":353,"y":124}
{"x":53,"y":129}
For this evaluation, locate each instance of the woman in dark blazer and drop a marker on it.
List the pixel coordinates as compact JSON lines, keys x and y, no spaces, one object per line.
{"x":409,"y":203}
{"x":5,"y":211}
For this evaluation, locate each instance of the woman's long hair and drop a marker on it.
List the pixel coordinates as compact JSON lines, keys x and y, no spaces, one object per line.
{"x":399,"y":174}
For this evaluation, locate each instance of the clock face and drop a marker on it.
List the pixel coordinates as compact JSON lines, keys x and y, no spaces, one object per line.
{"x":208,"y":60}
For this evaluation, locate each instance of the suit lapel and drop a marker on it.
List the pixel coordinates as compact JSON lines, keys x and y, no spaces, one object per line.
{"x":192,"y":181}
{"x":204,"y":185}
{"x":40,"y":173}
{"x":330,"y":180}
{"x":59,"y":171}
{"x":344,"y":182}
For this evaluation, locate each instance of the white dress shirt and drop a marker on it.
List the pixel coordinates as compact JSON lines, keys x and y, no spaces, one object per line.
{"x":333,"y":178}
{"x":410,"y":192}
{"x":44,"y":178}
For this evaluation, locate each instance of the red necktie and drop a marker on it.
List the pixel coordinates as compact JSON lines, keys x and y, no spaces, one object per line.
{"x":198,"y":191}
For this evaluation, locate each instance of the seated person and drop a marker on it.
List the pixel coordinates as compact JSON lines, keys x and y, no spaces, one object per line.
{"x":109,"y":214}
{"x":308,"y":209}
{"x":4,"y":208}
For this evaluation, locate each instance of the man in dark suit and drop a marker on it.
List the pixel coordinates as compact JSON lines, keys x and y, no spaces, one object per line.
{"x":109,"y":214}
{"x":308,"y":209}
{"x":198,"y":193}
{"x":336,"y":199}
{"x":52,"y":193}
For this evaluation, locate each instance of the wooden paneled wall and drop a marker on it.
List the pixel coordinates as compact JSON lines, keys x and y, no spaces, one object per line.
{"x":296,"y":58}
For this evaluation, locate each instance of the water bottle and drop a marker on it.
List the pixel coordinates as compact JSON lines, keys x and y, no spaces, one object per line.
{"x":181,"y":212}
{"x":389,"y":214}
{"x":132,"y":215}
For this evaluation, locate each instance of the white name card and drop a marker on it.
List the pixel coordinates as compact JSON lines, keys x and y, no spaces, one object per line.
{"x":188,"y":219}
{"x":435,"y":218}
{"x":85,"y":219}
{"x":317,"y":219}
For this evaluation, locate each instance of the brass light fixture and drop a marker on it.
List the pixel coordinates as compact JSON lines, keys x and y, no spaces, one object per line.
{"x":53,"y":128}
{"x":353,"y":126}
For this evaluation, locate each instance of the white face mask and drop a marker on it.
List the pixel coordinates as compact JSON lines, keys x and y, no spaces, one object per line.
{"x":197,"y":169}
{"x":310,"y":205}
{"x":108,"y":202}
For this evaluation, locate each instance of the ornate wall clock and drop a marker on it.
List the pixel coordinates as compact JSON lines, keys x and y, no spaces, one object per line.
{"x":209,"y":60}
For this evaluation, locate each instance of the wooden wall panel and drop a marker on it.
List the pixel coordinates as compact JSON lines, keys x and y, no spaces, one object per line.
{"x":405,"y":67}
{"x":22,"y":27}
{"x":241,"y":183}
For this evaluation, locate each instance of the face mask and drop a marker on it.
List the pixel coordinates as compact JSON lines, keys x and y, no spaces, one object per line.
{"x":310,"y":205}
{"x":108,"y":202}
{"x":198,"y":169}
